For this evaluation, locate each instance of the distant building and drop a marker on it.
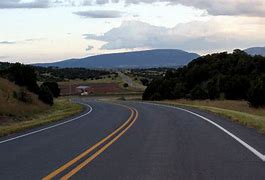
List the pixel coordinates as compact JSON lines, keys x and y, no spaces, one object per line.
{"x":83,"y":90}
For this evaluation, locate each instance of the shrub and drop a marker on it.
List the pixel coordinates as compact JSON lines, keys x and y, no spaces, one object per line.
{"x":156,"y":97}
{"x":198,"y":93}
{"x":23,"y":75}
{"x":22,"y":95}
{"x":45,"y":95}
{"x":53,"y":87}
{"x":179,"y":91}
{"x":125,"y":85}
{"x":145,"y":81}
{"x":256,"y":95}
{"x":213,"y":89}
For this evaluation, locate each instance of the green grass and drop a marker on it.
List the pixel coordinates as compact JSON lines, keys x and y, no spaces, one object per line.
{"x":61,"y":109}
{"x":242,"y":114}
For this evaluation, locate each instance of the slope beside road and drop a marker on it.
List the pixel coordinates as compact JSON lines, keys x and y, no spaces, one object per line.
{"x":153,"y":142}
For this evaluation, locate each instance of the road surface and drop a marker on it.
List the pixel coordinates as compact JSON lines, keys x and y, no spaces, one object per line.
{"x":135,"y":141}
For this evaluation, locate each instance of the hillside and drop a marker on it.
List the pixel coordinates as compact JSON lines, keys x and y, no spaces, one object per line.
{"x":236,"y":76}
{"x":139,"y":59}
{"x":256,"y":51}
{"x":12,"y":107}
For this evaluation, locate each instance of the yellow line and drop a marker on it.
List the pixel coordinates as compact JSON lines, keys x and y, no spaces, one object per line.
{"x":70,"y":163}
{"x":91,"y":158}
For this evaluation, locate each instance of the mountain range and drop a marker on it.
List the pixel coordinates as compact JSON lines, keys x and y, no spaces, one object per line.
{"x":137,"y":59}
{"x":256,"y":51}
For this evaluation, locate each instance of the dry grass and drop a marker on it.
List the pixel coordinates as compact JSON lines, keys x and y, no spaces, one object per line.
{"x":16,"y":115}
{"x":62,"y":108}
{"x":241,"y":106}
{"x":237,"y":111}
{"x":9,"y":106}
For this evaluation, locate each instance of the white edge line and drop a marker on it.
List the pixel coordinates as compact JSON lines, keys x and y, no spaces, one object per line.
{"x":250,"y":148}
{"x":50,"y":127}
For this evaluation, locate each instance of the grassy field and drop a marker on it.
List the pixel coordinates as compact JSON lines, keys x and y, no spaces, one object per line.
{"x":62,"y":108}
{"x":237,"y":111}
{"x":105,"y":79}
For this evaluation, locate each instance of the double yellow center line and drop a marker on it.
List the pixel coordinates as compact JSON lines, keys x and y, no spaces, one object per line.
{"x":109,"y":140}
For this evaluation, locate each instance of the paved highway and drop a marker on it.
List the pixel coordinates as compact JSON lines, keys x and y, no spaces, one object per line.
{"x":133,"y":140}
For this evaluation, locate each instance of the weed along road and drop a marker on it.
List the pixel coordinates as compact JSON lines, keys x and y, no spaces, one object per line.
{"x":134,"y":140}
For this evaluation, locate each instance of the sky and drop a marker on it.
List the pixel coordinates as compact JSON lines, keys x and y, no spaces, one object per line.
{"x":35,"y":31}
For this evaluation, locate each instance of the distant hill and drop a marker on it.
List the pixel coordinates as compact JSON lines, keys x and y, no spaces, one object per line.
{"x":256,"y":51}
{"x":139,"y":59}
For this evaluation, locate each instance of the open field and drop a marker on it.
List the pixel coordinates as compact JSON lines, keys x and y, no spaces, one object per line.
{"x":106,"y":85}
{"x":61,"y":109}
{"x":237,"y":111}
{"x":104,"y":79}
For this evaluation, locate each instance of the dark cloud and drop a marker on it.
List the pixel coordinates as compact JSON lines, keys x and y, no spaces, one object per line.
{"x":15,"y":4}
{"x":213,"y":7}
{"x":7,"y":42}
{"x":99,"y":14}
{"x":89,"y":48}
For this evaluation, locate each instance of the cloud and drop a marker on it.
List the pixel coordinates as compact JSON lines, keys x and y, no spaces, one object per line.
{"x":99,"y":14}
{"x":195,"y":36}
{"x":89,"y":48}
{"x":7,"y":42}
{"x":226,"y":7}
{"x":15,"y":4}
{"x":213,"y":7}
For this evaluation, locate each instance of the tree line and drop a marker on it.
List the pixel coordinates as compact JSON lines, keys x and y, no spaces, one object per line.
{"x":61,"y":74}
{"x":233,"y":76}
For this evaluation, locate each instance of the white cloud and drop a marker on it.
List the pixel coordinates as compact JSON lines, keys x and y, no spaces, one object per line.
{"x":193,"y":36}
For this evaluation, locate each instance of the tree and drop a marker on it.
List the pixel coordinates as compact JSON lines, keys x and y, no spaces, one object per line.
{"x":45,"y":95}
{"x":198,"y":93}
{"x":125,"y":85}
{"x":179,"y":91}
{"x":23,"y":75}
{"x":53,"y":87}
{"x":256,"y":95}
{"x":213,"y":89}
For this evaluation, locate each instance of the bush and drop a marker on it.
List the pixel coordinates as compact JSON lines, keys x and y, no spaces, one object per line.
{"x":145,"y":81}
{"x":156,"y":97}
{"x":125,"y":85}
{"x":179,"y":91}
{"x":53,"y":87}
{"x":45,"y":95}
{"x":198,"y":93}
{"x":22,"y":95}
{"x":23,"y":75}
{"x":256,"y":95}
{"x":213,"y":89}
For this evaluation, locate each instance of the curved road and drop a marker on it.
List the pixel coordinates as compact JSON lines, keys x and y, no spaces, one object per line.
{"x":132,"y":140}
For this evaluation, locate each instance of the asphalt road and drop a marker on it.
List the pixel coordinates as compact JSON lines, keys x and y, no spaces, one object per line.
{"x":135,"y":141}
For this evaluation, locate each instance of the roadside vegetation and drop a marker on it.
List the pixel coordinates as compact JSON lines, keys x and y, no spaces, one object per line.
{"x":24,"y":103}
{"x":236,"y":76}
{"x":237,"y":111}
{"x":61,"y":109}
